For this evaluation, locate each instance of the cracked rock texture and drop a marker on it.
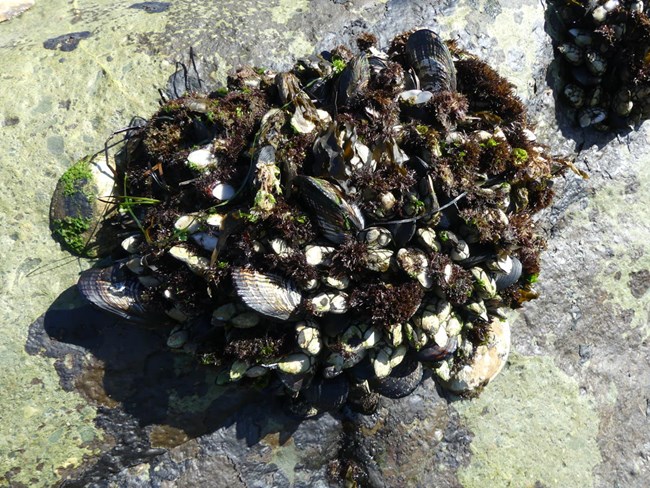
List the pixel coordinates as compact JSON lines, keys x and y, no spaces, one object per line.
{"x":89,"y":401}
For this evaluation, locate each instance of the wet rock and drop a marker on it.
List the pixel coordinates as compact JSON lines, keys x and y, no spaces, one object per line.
{"x":151,"y":7}
{"x":13,"y":8}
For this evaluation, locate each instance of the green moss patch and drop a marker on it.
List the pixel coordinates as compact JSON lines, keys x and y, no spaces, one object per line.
{"x":76,"y":174}
{"x":71,"y":231}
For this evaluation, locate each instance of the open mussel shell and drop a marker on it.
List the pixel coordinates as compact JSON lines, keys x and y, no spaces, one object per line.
{"x":402,"y":381}
{"x":432,"y":61}
{"x":116,"y":290}
{"x":508,"y":279}
{"x":267,"y":294}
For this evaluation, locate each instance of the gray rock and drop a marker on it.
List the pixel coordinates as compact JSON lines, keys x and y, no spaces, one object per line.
{"x":13,"y":8}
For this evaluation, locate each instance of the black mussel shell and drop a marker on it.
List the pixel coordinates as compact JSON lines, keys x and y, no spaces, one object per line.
{"x":335,"y":216}
{"x":402,"y":381}
{"x":434,"y":352}
{"x":353,"y":79}
{"x":402,"y":232}
{"x":505,"y":280}
{"x":362,"y":371}
{"x":432,"y":61}
{"x":327,"y":394}
{"x":294,"y":382}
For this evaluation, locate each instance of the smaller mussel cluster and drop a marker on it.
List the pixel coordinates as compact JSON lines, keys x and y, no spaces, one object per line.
{"x":334,"y":229}
{"x":604,"y":47}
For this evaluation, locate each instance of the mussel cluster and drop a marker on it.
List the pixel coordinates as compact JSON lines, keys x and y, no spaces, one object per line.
{"x":333,"y":229}
{"x":604,"y":47}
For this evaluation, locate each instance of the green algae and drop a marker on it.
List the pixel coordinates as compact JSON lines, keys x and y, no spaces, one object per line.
{"x":621,"y":203}
{"x":76,"y":174}
{"x":532,"y":427}
{"x":71,"y":231}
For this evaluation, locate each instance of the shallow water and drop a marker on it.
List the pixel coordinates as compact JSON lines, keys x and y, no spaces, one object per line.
{"x":55,"y":107}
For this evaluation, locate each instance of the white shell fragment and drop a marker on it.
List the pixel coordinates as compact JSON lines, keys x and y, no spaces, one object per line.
{"x":415,"y":97}
{"x":223,"y":191}
{"x":337,"y":283}
{"x":197,"y":264}
{"x":205,"y":240}
{"x":131,"y":243}
{"x":280,"y":247}
{"x":187,"y":223}
{"x":317,"y":255}
{"x":200,"y":159}
{"x":215,"y":220}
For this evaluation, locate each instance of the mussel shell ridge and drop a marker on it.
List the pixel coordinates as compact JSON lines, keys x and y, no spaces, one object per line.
{"x":114,"y":290}
{"x":402,"y":381}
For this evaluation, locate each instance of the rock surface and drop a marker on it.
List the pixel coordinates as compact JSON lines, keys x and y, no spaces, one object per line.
{"x":13,"y":8}
{"x":92,"y":401}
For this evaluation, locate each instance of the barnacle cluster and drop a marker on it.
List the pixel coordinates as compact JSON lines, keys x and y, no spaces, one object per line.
{"x":333,"y":229}
{"x":604,"y":47}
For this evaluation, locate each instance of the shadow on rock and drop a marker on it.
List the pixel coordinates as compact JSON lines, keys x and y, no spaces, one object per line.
{"x":148,"y":397}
